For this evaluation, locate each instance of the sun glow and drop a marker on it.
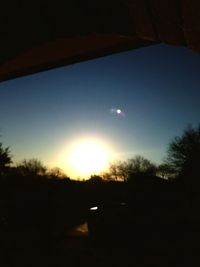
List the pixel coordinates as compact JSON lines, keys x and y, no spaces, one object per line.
{"x":87,"y":157}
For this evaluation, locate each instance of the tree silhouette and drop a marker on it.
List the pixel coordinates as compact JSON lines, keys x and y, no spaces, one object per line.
{"x":126,"y":170}
{"x":140,"y":164}
{"x":5,"y":158}
{"x":117,"y":171}
{"x":165,"y":171}
{"x":184,"y":152}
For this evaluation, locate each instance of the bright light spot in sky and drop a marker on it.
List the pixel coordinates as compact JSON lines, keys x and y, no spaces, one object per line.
{"x":86,"y":157}
{"x":117,"y":111}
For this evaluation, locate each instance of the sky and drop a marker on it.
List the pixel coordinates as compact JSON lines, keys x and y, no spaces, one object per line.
{"x":156,"y":89}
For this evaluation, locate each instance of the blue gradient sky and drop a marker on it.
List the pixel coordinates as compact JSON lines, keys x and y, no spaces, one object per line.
{"x":157,"y":87}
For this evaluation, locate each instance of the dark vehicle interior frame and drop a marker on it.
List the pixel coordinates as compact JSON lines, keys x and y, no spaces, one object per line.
{"x":36,"y":36}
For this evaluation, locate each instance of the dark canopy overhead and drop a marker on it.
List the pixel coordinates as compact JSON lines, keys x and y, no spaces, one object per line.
{"x":40,"y":36}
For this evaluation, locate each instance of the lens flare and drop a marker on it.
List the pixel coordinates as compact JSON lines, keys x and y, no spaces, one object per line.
{"x":117,"y":111}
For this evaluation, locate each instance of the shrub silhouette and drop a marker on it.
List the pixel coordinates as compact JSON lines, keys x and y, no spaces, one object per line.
{"x":31,"y":167}
{"x":57,"y":173}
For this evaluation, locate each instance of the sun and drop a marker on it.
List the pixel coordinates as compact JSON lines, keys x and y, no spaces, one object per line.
{"x":84,"y":156}
{"x":88,"y":157}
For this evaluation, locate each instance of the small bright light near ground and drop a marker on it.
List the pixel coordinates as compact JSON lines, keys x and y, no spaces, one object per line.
{"x":94,"y":208}
{"x":118,"y":111}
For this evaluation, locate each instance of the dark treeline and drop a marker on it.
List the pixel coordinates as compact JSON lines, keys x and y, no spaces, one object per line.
{"x":39,"y":205}
{"x":31,"y":180}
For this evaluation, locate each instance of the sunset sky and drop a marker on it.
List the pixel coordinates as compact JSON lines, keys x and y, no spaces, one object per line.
{"x":129,"y":103}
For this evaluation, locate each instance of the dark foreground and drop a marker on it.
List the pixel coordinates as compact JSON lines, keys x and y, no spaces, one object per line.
{"x":38,"y":225}
{"x":76,"y":249}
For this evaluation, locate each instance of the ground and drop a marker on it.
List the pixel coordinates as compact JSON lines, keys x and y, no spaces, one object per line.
{"x":75,"y":248}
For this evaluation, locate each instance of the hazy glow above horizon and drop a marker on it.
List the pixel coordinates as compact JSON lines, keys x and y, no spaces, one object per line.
{"x":85,"y":157}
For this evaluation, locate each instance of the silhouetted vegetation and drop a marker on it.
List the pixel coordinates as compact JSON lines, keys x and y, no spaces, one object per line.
{"x":184,"y":153}
{"x":5,"y":159}
{"x":127,"y":170}
{"x":133,"y":204}
{"x":95,"y":179}
{"x":165,"y":171}
{"x":32,"y":167}
{"x":57,"y":174}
